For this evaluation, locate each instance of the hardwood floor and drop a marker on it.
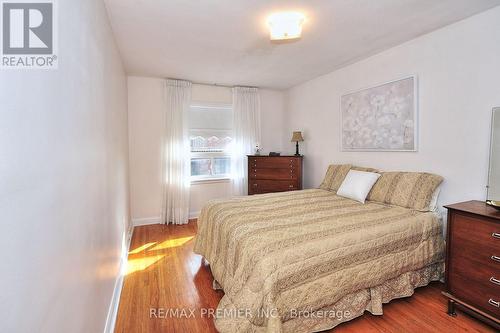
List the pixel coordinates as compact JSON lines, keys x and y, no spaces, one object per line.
{"x":163,"y":273}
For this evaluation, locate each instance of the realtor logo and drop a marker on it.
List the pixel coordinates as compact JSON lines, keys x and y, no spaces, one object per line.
{"x":28,"y":34}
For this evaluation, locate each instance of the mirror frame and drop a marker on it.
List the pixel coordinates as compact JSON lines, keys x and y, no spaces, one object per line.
{"x":493,"y":203}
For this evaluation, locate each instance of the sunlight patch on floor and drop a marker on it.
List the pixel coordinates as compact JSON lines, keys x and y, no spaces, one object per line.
{"x":171,"y":243}
{"x":142,"y":248}
{"x":135,"y":265}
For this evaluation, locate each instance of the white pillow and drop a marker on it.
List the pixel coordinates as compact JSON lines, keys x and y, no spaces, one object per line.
{"x":357,"y":185}
{"x":433,"y":206}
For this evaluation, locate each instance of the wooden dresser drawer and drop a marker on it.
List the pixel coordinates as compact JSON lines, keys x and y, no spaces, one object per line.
{"x":269,"y":186}
{"x":470,"y":232}
{"x":273,"y":162}
{"x":275,"y":174}
{"x":478,"y":268}
{"x":476,"y":279}
{"x":480,"y":295}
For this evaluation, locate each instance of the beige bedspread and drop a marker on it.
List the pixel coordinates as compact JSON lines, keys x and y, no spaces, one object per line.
{"x":281,"y":257}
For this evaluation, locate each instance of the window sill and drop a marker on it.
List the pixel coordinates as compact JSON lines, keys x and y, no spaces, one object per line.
{"x":210,"y":180}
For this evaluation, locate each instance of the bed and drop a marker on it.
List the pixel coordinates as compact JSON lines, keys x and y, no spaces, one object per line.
{"x":306,"y":261}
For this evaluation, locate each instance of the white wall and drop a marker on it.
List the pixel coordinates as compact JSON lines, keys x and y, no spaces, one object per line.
{"x":146,"y":104}
{"x":458,"y":69}
{"x":63,"y":180}
{"x":201,"y":192}
{"x":272,"y":120}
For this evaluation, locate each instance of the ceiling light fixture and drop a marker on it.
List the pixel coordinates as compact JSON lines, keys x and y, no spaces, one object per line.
{"x":285,"y":25}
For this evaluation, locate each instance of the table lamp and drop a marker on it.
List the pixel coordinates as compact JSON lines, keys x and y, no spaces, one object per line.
{"x":297,"y":137}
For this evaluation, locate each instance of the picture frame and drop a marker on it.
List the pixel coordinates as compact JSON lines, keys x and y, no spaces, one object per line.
{"x":382,"y":117}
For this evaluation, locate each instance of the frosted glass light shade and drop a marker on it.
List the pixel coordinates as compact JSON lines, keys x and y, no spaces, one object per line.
{"x":286,"y":25}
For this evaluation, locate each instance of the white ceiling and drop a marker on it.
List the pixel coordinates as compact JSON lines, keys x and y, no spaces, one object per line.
{"x":226,"y":41}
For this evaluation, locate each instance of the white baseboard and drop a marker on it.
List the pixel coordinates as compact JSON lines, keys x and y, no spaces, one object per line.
{"x":156,"y":220}
{"x":115,"y":299}
{"x":146,"y":221}
{"x":194,"y":215}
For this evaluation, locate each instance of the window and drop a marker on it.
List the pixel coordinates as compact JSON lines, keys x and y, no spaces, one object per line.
{"x":210,"y":136}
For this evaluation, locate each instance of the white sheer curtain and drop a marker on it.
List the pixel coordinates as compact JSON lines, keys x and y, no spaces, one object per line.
{"x":176,"y":153}
{"x":246,"y":127}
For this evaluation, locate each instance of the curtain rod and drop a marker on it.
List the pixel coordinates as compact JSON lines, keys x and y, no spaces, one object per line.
{"x":221,"y":85}
{"x":213,"y":84}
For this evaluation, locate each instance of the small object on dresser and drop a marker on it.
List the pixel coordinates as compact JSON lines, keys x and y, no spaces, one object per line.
{"x":493,"y":203}
{"x":273,"y":153}
{"x":473,"y":260}
{"x":257,"y":149}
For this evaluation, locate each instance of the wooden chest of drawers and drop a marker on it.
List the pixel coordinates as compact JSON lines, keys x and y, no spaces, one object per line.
{"x":267,"y":174}
{"x":473,"y":260}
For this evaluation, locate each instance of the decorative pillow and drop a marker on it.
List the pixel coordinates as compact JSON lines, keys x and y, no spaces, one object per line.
{"x":335,"y":175}
{"x":406,"y":189}
{"x":433,"y":204}
{"x":358,"y":168}
{"x":357,"y":185}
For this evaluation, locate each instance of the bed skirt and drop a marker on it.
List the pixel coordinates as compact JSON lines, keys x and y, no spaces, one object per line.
{"x":347,"y":308}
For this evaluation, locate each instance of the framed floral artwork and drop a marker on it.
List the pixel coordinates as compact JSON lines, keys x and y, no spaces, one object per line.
{"x":381,"y":118}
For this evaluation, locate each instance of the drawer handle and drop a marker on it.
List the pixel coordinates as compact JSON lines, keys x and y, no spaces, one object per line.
{"x":495,"y":281}
{"x":495,"y":258}
{"x":290,"y":186}
{"x":494,"y":303}
{"x":495,"y":235}
{"x":254,"y":184}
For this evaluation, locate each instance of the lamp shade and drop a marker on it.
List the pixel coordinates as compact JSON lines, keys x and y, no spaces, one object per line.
{"x":297,"y":137}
